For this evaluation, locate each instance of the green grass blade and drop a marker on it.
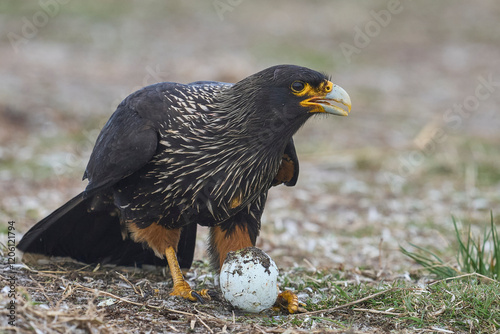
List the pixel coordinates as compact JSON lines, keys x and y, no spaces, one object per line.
{"x":495,"y":261}
{"x":472,"y":256}
{"x":436,"y":267}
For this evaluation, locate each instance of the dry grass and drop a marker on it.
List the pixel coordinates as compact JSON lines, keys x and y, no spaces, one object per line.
{"x":68,"y":297}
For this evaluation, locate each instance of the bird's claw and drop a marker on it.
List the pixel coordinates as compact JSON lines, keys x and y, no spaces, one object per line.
{"x":289,"y":302}
{"x":210,"y":294}
{"x":197,"y":296}
{"x":184,"y":290}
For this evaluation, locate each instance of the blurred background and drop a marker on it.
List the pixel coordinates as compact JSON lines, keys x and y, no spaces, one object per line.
{"x":421,"y":143}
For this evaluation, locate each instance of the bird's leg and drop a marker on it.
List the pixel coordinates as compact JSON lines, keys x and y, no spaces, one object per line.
{"x":181,"y":287}
{"x":164,"y":242}
{"x":222,"y":242}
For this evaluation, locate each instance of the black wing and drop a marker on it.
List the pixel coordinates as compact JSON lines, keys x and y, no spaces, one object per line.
{"x":129,"y":139}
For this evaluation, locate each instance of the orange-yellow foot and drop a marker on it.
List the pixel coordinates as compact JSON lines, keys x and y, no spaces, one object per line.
{"x":183,"y":290}
{"x":181,"y":287}
{"x":288,"y":301}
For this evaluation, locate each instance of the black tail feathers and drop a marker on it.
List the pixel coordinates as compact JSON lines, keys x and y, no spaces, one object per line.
{"x":95,"y":236}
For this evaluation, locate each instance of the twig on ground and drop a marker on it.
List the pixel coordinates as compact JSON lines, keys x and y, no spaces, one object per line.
{"x":129,"y":283}
{"x":462,"y":276}
{"x":173,"y":328}
{"x":42,"y":290}
{"x":204,"y":324}
{"x":377,"y":311}
{"x":104,"y":293}
{"x":349,"y":304}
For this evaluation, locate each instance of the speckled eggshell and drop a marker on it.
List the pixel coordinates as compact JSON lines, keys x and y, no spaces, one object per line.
{"x":248,"y":280}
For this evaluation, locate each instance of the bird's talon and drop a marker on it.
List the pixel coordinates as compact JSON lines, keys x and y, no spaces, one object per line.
{"x":196,"y":295}
{"x":188,"y":294}
{"x":185,"y":291}
{"x":288,"y":301}
{"x":182,"y":289}
{"x":208,"y":294}
{"x":301,"y":310}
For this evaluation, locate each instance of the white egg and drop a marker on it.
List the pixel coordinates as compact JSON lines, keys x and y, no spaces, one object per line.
{"x":248,"y":280}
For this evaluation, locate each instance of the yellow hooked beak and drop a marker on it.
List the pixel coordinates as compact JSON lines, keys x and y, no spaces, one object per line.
{"x":328,"y":101}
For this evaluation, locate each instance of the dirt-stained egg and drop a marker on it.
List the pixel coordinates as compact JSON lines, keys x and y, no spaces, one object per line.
{"x":248,"y":280}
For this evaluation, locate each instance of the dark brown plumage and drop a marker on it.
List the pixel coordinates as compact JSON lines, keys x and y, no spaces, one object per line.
{"x":173,"y":156}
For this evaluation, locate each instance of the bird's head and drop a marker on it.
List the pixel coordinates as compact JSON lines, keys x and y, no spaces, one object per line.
{"x":281,"y":98}
{"x":303,"y":91}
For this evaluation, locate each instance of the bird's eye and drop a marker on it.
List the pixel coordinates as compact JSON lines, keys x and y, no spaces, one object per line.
{"x":298,"y":86}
